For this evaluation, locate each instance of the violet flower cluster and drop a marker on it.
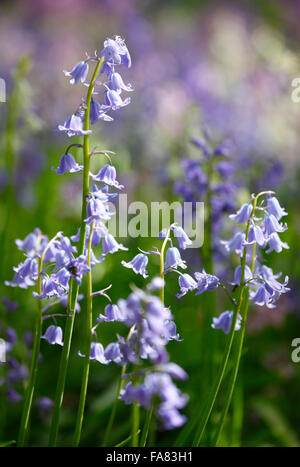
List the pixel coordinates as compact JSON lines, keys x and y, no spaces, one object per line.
{"x":264,"y":229}
{"x":151,"y":327}
{"x":214,"y":173}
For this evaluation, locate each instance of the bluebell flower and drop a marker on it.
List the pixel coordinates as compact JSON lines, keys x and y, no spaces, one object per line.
{"x":112,"y":313}
{"x":238,"y":275}
{"x":236,"y":244}
{"x":110,"y":245}
{"x":116,"y":52}
{"x":31,"y":243}
{"x":67,"y":164}
{"x":114,"y":100}
{"x":97,"y":353}
{"x":112,"y":353}
{"x":226,"y":169}
{"x":186,"y":283}
{"x":25,"y":274}
{"x":275,"y":244}
{"x":138,"y":264}
{"x":173,"y":259}
{"x":117,"y":84}
{"x":13,"y":396}
{"x":74,"y":126}
{"x":256,"y":235}
{"x":206,"y":282}
{"x":156,"y":283}
{"x":274,"y":208}
{"x":53,"y":335}
{"x":98,"y":112}
{"x":50,"y":288}
{"x":224,"y":322}
{"x":78,"y":73}
{"x":182,"y":238}
{"x":272,"y":225}
{"x":262,"y":297}
{"x":174,"y":370}
{"x":243,"y":214}
{"x":96,"y":211}
{"x":107,"y":174}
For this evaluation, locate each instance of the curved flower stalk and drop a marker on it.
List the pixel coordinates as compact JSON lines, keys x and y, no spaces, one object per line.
{"x":256,"y":282}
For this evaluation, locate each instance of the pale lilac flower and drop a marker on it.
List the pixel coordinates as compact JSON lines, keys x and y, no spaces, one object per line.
{"x":114,"y":100}
{"x":98,"y":112}
{"x":138,"y":264}
{"x":173,"y":259}
{"x":274,"y":208}
{"x":243,"y":214}
{"x":67,"y":164}
{"x":182,"y":238}
{"x":107,"y":174}
{"x":112,"y":313}
{"x":53,"y":335}
{"x":275,"y":244}
{"x":110,"y":245}
{"x":272,"y":225}
{"x":238,"y":275}
{"x":117,"y":84}
{"x":206,"y":282}
{"x":224,"y":322}
{"x":186,"y":283}
{"x":78,"y":73}
{"x":236,"y":244}
{"x":97,"y":353}
{"x":74,"y":126}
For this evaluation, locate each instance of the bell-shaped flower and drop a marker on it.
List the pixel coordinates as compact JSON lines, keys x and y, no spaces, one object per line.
{"x":173,"y":259}
{"x":67,"y":164}
{"x":112,"y":313}
{"x":243,"y":214}
{"x":117,"y":84}
{"x":238,"y":275}
{"x":79,"y":72}
{"x":138,"y":264}
{"x":112,"y":353}
{"x":275,"y":244}
{"x":272,"y":225}
{"x":53,"y":335}
{"x":96,"y":211}
{"x":235,"y":244}
{"x":182,"y":238}
{"x":97,"y":353}
{"x":224,"y":322}
{"x":186,"y":283}
{"x":114,"y":100}
{"x":98,"y":112}
{"x":274,"y":208}
{"x":256,"y":235}
{"x":262,"y":297}
{"x":74,"y":126}
{"x":116,"y":52}
{"x":108,"y":174}
{"x":206,"y":282}
{"x":110,"y":245}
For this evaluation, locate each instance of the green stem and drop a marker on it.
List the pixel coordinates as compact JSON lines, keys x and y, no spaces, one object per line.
{"x":114,"y":409}
{"x":135,"y":425}
{"x":86,"y":369}
{"x":237,"y":360}
{"x":64,"y":362}
{"x":33,"y":369}
{"x":146,"y":428}
{"x":218,"y":380}
{"x":35,"y":356}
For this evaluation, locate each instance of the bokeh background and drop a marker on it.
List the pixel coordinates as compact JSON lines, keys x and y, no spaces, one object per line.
{"x":199,"y":67}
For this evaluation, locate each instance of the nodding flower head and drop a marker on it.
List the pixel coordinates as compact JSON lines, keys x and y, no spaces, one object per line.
{"x":274,"y":208}
{"x":116,"y":52}
{"x":110,"y":245}
{"x":114,"y":100}
{"x":53,"y":335}
{"x":138,"y":264}
{"x":108,"y":174}
{"x":112,"y":313}
{"x":79,"y":72}
{"x":186,"y":283}
{"x":173,"y":259}
{"x":275,"y":244}
{"x":182,"y":238}
{"x":224,"y":322}
{"x":74,"y":126}
{"x":206,"y":282}
{"x":243,"y":214}
{"x":67,"y":164}
{"x":98,"y":112}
